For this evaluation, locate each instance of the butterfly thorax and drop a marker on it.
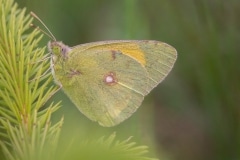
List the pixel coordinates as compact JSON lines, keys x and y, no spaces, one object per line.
{"x":59,"y":55}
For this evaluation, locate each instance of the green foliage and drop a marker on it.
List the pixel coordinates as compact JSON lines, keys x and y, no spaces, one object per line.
{"x":26,"y":129}
{"x":106,"y":148}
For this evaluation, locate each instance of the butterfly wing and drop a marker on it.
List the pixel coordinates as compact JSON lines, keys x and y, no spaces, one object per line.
{"x":108,"y":80}
{"x":106,"y":85}
{"x":157,"y":57}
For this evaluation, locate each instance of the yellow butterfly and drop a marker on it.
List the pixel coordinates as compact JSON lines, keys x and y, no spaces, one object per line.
{"x":108,"y":80}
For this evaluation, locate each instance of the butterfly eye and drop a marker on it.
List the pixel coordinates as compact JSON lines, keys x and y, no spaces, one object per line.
{"x":63,"y":50}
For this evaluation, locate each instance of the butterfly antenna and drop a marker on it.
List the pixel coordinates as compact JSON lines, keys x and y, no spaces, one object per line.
{"x":37,"y":27}
{"x":49,"y":34}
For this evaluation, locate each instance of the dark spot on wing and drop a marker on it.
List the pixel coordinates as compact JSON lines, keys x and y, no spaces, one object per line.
{"x":115,"y":53}
{"x":73,"y":72}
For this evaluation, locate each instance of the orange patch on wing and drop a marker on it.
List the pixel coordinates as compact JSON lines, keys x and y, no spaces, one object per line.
{"x":130,"y":49}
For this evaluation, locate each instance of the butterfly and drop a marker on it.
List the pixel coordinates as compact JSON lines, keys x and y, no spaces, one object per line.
{"x":108,"y":80}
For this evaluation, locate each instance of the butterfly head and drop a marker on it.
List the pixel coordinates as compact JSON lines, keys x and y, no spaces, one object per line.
{"x":58,"y":49}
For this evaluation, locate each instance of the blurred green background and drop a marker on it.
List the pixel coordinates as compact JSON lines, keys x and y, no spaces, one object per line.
{"x":194,"y":113}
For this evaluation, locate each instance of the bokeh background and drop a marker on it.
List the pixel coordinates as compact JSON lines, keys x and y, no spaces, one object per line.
{"x":194,"y":113}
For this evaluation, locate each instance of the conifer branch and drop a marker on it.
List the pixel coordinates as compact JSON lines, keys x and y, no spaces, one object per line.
{"x":26,"y":129}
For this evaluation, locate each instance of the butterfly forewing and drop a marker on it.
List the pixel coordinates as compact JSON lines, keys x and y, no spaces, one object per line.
{"x":157,"y":57}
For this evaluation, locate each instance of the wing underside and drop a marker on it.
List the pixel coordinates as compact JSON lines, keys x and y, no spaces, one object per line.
{"x":114,"y":76}
{"x":108,"y":102}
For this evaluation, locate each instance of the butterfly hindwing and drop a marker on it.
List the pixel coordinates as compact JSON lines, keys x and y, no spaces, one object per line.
{"x":107,"y":86}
